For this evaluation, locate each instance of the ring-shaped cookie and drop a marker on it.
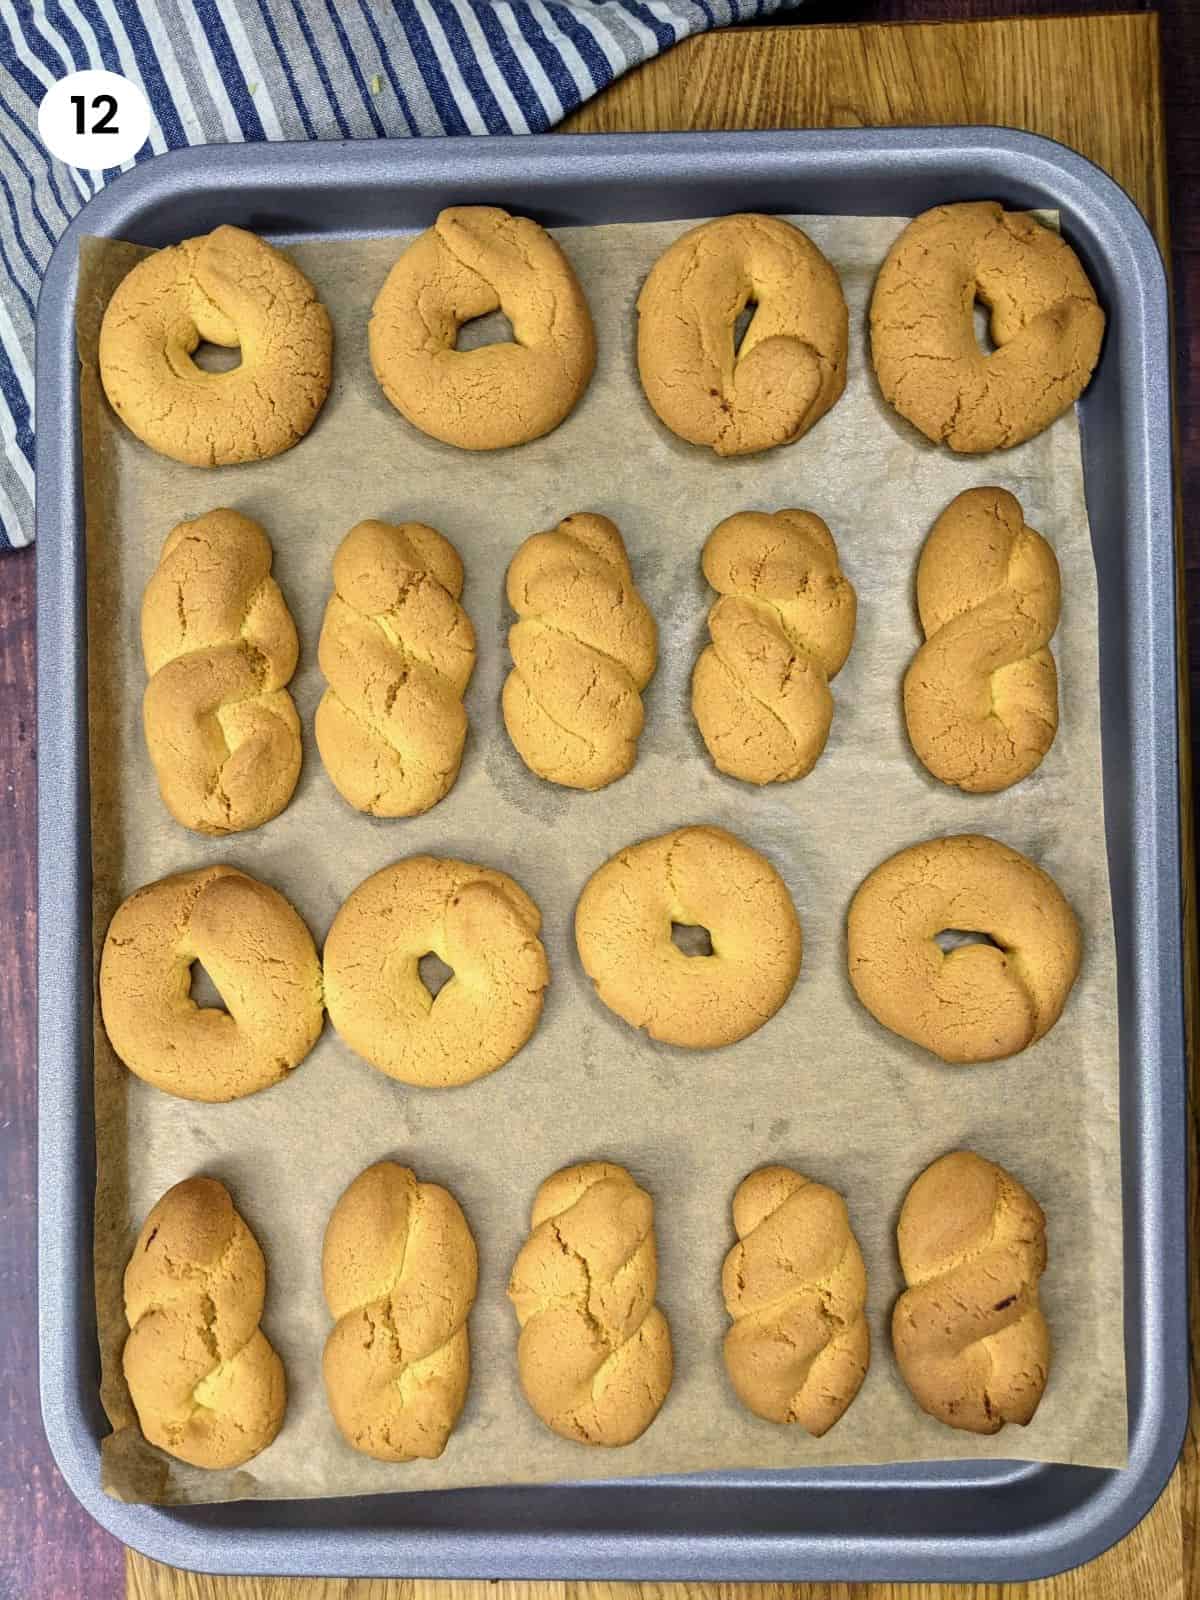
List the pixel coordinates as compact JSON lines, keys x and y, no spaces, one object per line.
{"x":231,"y":288}
{"x":480,"y":924}
{"x":1046,"y":325}
{"x":473,"y":261}
{"x":693,"y":877}
{"x":257,"y":952}
{"x":790,"y":366}
{"x":978,"y":1002}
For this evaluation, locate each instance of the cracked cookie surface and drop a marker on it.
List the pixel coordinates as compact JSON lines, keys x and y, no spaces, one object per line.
{"x":594,"y":1355}
{"x":781,"y":628}
{"x":257,"y":952}
{"x":790,"y":366}
{"x":969,"y":1335}
{"x":979,"y":1002}
{"x":399,"y":1272}
{"x":473,"y":261}
{"x":796,"y":1288}
{"x":1046,"y":326}
{"x":697,"y":876}
{"x":584,"y":646}
{"x":207,"y":1385}
{"x":220,"y":648}
{"x":229,"y":288}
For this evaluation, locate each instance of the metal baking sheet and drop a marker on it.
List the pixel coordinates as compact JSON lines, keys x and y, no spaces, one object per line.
{"x":988,"y":1521}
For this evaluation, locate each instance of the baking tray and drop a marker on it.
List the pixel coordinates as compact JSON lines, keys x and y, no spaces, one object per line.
{"x":986,"y":1520}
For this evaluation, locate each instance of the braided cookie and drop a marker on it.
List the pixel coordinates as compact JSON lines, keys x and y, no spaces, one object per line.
{"x":782,"y":627}
{"x":220,"y":647}
{"x":595,"y":1351}
{"x":473,"y":261}
{"x":397,"y":651}
{"x":258,"y":953}
{"x":796,"y":1287}
{"x":228,"y":287}
{"x":968,"y":1332}
{"x":482,"y":925}
{"x":583,"y":649}
{"x":790,"y":367}
{"x":981,"y":695}
{"x":981,"y":1001}
{"x":692,"y":877}
{"x":1046,"y":326}
{"x":205,"y":1382}
{"x":399,"y":1272}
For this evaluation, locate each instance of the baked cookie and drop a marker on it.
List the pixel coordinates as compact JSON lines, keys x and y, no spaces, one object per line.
{"x":796,"y":1288}
{"x":595,"y":1351}
{"x":979,"y":1002}
{"x":256,"y":950}
{"x":981,"y":695}
{"x":692,"y":877}
{"x":473,"y":261}
{"x":969,"y":1335}
{"x":207,"y":1385}
{"x":1046,"y":325}
{"x":781,"y":628}
{"x":220,"y":648}
{"x":231,"y":288}
{"x":584,"y":646}
{"x":399,"y":1272}
{"x":397,"y":651}
{"x":482,"y":925}
{"x":790,"y":366}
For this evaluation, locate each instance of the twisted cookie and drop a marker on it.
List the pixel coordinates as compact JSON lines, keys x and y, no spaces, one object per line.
{"x":595,"y":1351}
{"x":796,"y":1287}
{"x":206,"y":1384}
{"x":968,"y":1332}
{"x":397,"y":651}
{"x":230,"y":288}
{"x":399,"y":1272}
{"x":782,"y":627}
{"x":219,"y":645}
{"x":981,"y":695}
{"x":583,"y":649}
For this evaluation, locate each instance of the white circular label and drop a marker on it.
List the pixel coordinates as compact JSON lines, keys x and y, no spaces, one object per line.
{"x":94,"y":120}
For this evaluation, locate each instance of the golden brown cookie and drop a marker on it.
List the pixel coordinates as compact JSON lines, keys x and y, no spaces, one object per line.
{"x":981,"y":695}
{"x":693,"y":877}
{"x":205,"y":1382}
{"x":796,"y":1288}
{"x":1046,"y":326}
{"x":482,"y":925}
{"x":595,"y":1351}
{"x":399,"y":1272}
{"x":978,"y":1002}
{"x":231,"y":288}
{"x":791,"y":364}
{"x":782,"y":627}
{"x":584,"y":647}
{"x":257,"y":952}
{"x":473,"y":261}
{"x":397,"y":651}
{"x":969,"y":1334}
{"x":220,"y":648}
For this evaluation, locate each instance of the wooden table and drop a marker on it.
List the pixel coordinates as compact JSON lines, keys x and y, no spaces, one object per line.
{"x":1092,"y":82}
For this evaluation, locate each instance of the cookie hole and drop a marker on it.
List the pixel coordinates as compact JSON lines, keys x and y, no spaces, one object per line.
{"x":983,"y":328}
{"x":744,"y":319}
{"x":435,"y":974}
{"x":955,"y":938}
{"x":691,"y":939}
{"x":204,"y":991}
{"x":217,"y":357}
{"x":495,"y":328}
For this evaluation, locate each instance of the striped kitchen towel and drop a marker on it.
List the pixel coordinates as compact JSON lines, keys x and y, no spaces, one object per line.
{"x":215,"y":71}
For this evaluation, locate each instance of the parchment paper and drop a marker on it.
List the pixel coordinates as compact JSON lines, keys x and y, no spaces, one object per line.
{"x":822,"y":1086}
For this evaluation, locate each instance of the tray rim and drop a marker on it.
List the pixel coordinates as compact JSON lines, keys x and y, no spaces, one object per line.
{"x":1122,"y":1497}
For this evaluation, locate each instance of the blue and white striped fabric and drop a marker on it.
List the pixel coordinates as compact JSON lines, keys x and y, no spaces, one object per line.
{"x":216,"y":71}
